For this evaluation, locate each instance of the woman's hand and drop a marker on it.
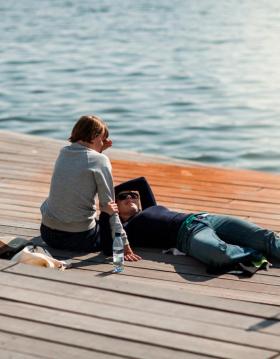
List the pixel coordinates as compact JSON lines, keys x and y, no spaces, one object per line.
{"x":110,"y":208}
{"x":129,"y":255}
{"x":106,"y":144}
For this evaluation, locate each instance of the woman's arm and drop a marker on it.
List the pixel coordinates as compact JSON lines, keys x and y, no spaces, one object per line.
{"x":141,"y":185}
{"x":105,"y":190}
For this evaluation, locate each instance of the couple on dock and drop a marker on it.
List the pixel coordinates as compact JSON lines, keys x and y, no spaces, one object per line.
{"x":82,"y":173}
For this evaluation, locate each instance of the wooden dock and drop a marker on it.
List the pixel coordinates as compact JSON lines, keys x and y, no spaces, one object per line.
{"x":161,"y":307}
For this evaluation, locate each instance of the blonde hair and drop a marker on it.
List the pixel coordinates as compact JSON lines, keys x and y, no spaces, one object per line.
{"x":87,"y":128}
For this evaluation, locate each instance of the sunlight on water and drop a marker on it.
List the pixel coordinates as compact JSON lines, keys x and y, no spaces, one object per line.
{"x":192,"y":79}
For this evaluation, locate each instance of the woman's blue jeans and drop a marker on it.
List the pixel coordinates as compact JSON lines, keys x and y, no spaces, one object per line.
{"x":224,"y":240}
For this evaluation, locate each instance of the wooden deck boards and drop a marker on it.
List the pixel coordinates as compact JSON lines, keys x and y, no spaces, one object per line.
{"x":160,"y":307}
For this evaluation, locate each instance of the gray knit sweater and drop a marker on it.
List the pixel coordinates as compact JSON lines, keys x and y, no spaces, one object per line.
{"x":79,"y":175}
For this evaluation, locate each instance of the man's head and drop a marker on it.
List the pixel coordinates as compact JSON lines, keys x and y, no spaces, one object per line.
{"x":128,"y":204}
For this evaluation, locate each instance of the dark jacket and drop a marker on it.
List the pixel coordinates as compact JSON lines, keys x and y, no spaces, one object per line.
{"x":155,"y":226}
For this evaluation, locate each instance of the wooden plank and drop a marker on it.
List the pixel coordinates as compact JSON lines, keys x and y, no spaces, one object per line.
{"x":194,"y":321}
{"x":19,"y":224}
{"x":155,"y":258}
{"x":4,"y":263}
{"x":17,"y":312}
{"x":205,"y":172}
{"x":22,"y":158}
{"x":26,"y":172}
{"x":259,"y":206}
{"x":14,"y":355}
{"x":105,"y":343}
{"x":20,"y":346}
{"x":30,"y":217}
{"x":19,"y":208}
{"x":6,"y":166}
{"x":165,"y":266}
{"x":23,"y":197}
{"x":39,"y":177}
{"x":226,"y":313}
{"x":194,"y":199}
{"x":168,"y":263}
{"x":253,"y":289}
{"x":252,"y":197}
{"x":200,"y":173}
{"x":19,"y":231}
{"x":17,"y":138}
{"x":23,"y":185}
{"x":18,"y":202}
{"x":35,"y":301}
{"x":159,"y":290}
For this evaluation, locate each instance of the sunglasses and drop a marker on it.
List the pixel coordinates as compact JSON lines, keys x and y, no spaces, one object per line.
{"x":124,"y":195}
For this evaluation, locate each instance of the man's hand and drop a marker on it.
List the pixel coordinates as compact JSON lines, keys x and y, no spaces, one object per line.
{"x":129,"y":255}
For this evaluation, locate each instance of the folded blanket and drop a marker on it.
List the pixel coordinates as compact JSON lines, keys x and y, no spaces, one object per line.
{"x":31,"y":255}
{"x":21,"y":250}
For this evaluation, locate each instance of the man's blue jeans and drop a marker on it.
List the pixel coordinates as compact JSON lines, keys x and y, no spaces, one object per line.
{"x":224,"y":240}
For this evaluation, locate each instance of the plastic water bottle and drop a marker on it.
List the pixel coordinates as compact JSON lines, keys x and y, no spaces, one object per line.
{"x":118,"y":254}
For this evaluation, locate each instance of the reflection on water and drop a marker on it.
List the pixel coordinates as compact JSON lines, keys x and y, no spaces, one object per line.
{"x":192,"y":79}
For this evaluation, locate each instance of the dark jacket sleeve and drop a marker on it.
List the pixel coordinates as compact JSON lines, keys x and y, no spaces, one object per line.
{"x":106,"y":240}
{"x":141,"y":185}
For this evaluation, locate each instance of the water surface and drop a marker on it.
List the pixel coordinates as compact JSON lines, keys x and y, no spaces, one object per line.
{"x":194,"y":80}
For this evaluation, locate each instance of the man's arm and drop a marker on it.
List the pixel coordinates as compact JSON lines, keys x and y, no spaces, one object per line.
{"x":142,"y":186}
{"x":106,"y":240}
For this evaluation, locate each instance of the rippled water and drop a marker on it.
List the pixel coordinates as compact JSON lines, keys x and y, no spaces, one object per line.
{"x":189,"y":79}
